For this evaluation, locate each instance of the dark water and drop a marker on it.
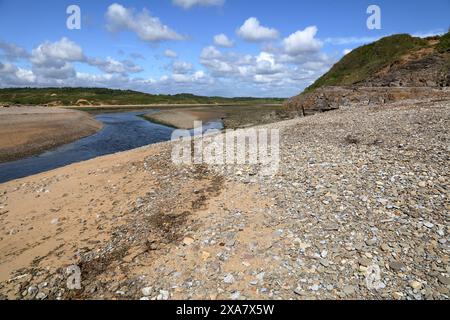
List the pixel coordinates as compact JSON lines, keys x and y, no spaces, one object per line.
{"x":122,"y":131}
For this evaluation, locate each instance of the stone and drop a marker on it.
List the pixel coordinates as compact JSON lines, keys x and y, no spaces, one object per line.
{"x":398,"y":295}
{"x":444,"y":280}
{"x":396,"y":265}
{"x":41,"y":296}
{"x":365,"y":262}
{"x":147,"y":291}
{"x":429,"y":225}
{"x":416,"y":285}
{"x":229,"y":279}
{"x":298,"y":291}
{"x":188,"y":241}
{"x":32,"y":291}
{"x":163,"y":295}
{"x":235,"y":295}
{"x":314,"y":287}
{"x":349,"y":290}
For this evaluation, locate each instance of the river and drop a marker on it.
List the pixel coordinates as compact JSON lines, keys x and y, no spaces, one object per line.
{"x":121,"y":131}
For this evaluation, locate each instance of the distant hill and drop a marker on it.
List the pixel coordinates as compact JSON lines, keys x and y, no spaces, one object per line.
{"x":400,"y":53}
{"x":101,"y":96}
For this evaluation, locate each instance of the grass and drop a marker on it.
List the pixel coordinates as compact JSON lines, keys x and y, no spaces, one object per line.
{"x":101,"y":96}
{"x":444,"y":43}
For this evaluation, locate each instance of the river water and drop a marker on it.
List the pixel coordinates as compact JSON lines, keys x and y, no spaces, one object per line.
{"x":121,"y":131}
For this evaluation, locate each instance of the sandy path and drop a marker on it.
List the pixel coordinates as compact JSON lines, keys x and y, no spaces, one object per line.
{"x":25,"y":131}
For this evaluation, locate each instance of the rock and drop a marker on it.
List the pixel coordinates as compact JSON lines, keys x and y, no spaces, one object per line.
{"x":365,"y":261}
{"x":314,"y":287}
{"x":398,"y":295}
{"x":163,"y":295}
{"x":444,"y":280}
{"x":429,"y":225}
{"x":396,"y":265}
{"x":324,"y":262}
{"x":147,"y":291}
{"x":229,"y":279}
{"x":188,"y":241}
{"x":416,"y":285}
{"x":41,"y":296}
{"x":349,"y":290}
{"x":235,"y":296}
{"x":422,"y":184}
{"x":298,"y":291}
{"x":32,"y":291}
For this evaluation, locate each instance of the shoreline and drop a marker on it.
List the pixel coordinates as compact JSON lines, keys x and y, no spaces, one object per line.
{"x":28,"y":131}
{"x":343,"y":179}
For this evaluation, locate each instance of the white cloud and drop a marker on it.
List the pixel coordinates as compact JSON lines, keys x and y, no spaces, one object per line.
{"x":222,"y":40}
{"x":253,"y":31}
{"x":351,"y":40}
{"x":346,"y":51}
{"x":10,"y":75}
{"x":110,"y":65}
{"x":170,"y":54}
{"x":431,"y":33}
{"x":181,"y":67}
{"x":12,"y":52}
{"x":302,"y":41}
{"x":187,"y":4}
{"x":147,"y":27}
{"x":57,"y":53}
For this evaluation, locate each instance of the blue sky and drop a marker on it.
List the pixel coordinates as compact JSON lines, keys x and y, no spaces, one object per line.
{"x":266,"y":48}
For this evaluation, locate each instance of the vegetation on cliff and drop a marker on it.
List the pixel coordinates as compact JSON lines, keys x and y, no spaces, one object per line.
{"x":363,"y":62}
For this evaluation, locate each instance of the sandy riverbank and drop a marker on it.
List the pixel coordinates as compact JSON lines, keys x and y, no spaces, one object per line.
{"x":184,"y":119}
{"x":26,"y":131}
{"x":361,"y":188}
{"x":232,"y":116}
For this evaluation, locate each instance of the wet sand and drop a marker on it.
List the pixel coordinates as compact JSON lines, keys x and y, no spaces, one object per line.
{"x":232,"y":116}
{"x":25,"y":131}
{"x":184,"y":119}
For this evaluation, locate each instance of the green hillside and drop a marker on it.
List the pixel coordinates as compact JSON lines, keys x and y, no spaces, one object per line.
{"x":364,"y":61}
{"x":100,"y":96}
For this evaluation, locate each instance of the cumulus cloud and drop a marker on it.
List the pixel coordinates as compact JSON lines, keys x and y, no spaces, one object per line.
{"x":10,"y":75}
{"x":187,"y":4}
{"x":12,"y":52}
{"x":110,"y":65}
{"x":57,"y":53}
{"x":302,"y":41}
{"x":222,"y":40}
{"x":253,"y":31}
{"x":181,"y":67}
{"x":170,"y":54}
{"x":147,"y":27}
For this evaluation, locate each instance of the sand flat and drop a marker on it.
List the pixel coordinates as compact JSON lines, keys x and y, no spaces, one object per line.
{"x":26,"y":131}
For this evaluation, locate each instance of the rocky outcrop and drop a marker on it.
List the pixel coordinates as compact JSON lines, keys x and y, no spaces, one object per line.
{"x":331,"y":98}
{"x":422,"y":68}
{"x":423,"y":72}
